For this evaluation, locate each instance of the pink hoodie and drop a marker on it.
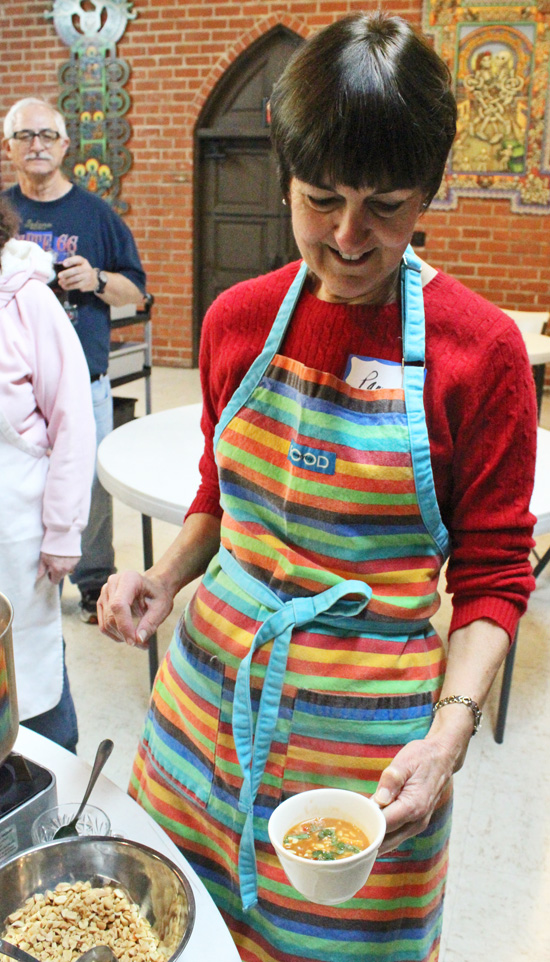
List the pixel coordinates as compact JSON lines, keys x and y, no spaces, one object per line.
{"x":45,"y":390}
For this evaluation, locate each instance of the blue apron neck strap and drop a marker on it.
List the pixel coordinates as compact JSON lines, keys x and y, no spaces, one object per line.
{"x":412,"y":308}
{"x":414,"y":361}
{"x":285,"y":312}
{"x":270,"y":348}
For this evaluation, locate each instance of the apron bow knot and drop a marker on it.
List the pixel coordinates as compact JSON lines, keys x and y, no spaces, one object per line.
{"x":253,"y":742}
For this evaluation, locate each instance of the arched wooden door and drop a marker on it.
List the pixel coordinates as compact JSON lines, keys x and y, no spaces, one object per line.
{"x":242,"y":228}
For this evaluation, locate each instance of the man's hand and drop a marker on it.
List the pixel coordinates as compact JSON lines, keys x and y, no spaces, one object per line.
{"x":77,"y":275}
{"x":55,"y":566}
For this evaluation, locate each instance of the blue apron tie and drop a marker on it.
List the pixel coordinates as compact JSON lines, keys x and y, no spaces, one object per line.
{"x":253,"y":745}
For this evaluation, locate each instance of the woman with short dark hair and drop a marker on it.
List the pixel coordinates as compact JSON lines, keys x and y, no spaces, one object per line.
{"x":365,"y":417}
{"x":365,"y":103}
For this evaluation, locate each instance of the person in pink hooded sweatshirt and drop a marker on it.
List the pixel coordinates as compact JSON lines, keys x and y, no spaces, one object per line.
{"x":47,"y":453}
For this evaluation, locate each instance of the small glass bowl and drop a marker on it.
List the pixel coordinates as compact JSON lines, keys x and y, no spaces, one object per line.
{"x":93,"y":821}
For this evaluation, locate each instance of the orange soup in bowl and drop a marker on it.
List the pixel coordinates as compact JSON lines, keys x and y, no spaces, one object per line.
{"x":325,"y":839}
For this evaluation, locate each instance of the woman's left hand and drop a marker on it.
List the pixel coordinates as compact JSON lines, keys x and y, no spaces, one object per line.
{"x":411,"y":786}
{"x":55,"y":566}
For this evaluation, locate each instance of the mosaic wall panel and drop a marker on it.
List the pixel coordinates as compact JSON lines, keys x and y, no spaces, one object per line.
{"x":92,"y":98}
{"x":499,"y":57}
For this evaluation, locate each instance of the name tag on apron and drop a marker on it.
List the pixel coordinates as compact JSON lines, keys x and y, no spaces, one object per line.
{"x":372,"y":373}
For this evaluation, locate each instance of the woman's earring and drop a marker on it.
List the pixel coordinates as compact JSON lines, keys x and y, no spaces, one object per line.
{"x":284,"y":201}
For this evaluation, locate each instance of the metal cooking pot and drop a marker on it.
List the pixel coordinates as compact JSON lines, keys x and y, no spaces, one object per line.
{"x":9,"y":715}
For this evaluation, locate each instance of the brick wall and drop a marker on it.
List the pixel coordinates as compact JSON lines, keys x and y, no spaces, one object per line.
{"x":177,"y":52}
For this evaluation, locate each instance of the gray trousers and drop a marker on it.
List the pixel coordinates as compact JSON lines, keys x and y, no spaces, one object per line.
{"x":98,"y":556}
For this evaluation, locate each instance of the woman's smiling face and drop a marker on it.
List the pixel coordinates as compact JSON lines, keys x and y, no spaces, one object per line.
{"x":353,"y":240}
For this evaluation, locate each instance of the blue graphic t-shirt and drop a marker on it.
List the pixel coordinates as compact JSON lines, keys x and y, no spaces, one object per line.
{"x":81,"y":223}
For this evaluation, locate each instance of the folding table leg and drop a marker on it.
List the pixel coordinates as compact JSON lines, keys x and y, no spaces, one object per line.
{"x":541,"y":564}
{"x":505,"y":691}
{"x":147,"y":537}
{"x":539,"y":371}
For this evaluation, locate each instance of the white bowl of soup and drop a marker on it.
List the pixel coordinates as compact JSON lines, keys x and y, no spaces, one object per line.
{"x":327,"y":841}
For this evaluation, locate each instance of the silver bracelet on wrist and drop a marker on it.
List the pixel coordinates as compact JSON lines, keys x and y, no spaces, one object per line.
{"x":461,"y":700}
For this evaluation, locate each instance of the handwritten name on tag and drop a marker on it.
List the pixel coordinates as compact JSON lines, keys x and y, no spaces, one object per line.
{"x":373,"y":374}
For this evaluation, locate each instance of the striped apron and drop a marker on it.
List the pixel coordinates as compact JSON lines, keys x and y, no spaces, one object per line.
{"x":306,"y":657}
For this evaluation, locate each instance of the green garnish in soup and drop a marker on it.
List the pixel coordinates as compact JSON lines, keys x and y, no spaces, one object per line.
{"x":325,"y":839}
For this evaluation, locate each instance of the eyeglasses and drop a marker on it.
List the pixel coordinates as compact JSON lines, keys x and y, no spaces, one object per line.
{"x":45,"y":136}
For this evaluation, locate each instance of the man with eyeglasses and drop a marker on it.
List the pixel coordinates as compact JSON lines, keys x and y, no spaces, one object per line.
{"x":101,"y":267}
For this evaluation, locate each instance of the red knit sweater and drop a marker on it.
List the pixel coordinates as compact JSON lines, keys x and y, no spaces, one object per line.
{"x":480,"y":411}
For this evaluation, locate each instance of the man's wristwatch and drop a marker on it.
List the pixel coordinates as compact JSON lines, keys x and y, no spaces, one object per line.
{"x":101,"y":281}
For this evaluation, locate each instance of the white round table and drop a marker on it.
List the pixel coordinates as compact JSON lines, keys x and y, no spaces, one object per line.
{"x":540,"y":499}
{"x":152,"y":465}
{"x":210,"y":939}
{"x":538,"y":352}
{"x":538,"y":348}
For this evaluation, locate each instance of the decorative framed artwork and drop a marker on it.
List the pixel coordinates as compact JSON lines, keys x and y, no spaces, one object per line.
{"x":93,"y":99}
{"x":499,"y":57}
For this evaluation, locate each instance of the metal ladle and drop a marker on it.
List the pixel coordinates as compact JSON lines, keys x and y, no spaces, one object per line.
{"x":102,"y":754}
{"x":99,"y":953}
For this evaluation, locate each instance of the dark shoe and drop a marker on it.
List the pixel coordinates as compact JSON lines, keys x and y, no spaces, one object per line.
{"x":88,"y":606}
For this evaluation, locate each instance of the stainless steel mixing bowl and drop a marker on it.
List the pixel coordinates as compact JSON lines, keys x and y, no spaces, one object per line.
{"x":152,"y":881}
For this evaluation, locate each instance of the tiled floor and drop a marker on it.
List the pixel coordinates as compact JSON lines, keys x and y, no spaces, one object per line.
{"x":499,"y":881}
